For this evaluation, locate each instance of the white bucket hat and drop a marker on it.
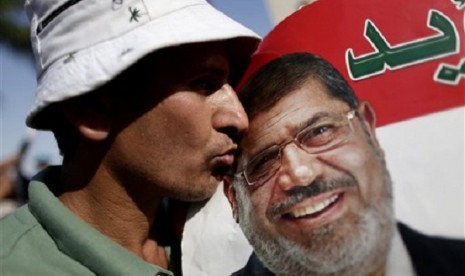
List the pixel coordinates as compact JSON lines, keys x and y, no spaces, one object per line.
{"x":80,"y":45}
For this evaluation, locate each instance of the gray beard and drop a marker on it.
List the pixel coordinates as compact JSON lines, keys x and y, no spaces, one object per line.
{"x":359,"y":251}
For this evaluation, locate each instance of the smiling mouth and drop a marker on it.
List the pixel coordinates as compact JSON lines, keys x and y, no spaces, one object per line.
{"x":313,"y":210}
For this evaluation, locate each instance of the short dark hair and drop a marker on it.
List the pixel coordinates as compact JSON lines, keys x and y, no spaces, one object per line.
{"x":285,"y":74}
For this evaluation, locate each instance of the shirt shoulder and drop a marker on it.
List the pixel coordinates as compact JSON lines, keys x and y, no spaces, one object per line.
{"x":15,"y":227}
{"x":253,"y":267}
{"x":27,"y":249}
{"x":434,"y":255}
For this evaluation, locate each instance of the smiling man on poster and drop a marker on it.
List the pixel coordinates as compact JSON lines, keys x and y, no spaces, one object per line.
{"x":312,"y":191}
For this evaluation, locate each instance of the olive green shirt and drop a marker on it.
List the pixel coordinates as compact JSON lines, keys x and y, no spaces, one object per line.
{"x":43,"y":237}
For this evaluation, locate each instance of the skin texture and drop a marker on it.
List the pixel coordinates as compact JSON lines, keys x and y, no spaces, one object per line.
{"x":351,"y":237}
{"x":173,"y":138}
{"x":180,"y":141}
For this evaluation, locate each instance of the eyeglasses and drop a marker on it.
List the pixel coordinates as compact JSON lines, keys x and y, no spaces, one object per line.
{"x":323,"y":134}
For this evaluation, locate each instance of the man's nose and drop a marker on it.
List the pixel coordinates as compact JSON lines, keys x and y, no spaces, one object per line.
{"x":229,"y":116}
{"x":298,"y":168}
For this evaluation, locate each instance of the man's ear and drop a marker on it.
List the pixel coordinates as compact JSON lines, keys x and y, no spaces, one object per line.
{"x":368,"y":119}
{"x":230,"y":193}
{"x":89,"y":116}
{"x":367,"y":114}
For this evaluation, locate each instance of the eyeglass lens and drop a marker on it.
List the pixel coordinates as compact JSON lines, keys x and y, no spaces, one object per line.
{"x":323,"y":135}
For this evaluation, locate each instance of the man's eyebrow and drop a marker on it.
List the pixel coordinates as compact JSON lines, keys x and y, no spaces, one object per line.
{"x":312,"y":120}
{"x":210,"y":69}
{"x":214,"y":65}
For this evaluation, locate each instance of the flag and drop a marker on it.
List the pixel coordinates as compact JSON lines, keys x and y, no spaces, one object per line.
{"x":407,"y":59}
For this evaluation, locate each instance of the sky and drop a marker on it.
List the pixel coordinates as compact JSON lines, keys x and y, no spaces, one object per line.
{"x":18,"y":82}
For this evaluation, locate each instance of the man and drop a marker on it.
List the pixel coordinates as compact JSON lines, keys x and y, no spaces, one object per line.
{"x":311,"y":191}
{"x":137,"y":96}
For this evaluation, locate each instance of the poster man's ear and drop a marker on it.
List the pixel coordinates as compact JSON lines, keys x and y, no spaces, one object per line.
{"x":368,"y":119}
{"x":368,"y":115}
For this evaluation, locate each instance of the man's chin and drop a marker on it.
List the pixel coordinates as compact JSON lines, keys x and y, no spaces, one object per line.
{"x":328,"y":249}
{"x":200,"y":193}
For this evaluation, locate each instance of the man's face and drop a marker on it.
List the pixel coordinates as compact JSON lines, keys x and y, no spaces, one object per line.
{"x":182,"y":144}
{"x":324,"y":212}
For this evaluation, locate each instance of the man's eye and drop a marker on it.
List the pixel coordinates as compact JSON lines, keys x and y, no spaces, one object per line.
{"x":318,"y":136}
{"x":206,"y":85}
{"x":261,"y":164}
{"x":319,"y":130}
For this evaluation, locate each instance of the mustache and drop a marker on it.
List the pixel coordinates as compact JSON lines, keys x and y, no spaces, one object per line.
{"x":300,"y":193}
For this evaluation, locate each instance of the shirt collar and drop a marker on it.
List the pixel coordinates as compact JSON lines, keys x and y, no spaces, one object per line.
{"x":79,"y":240}
{"x":399,"y":262}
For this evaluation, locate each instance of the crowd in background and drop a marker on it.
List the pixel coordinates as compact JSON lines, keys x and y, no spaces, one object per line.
{"x":14,"y":178}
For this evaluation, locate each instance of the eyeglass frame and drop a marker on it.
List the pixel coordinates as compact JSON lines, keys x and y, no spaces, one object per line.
{"x":351,"y":114}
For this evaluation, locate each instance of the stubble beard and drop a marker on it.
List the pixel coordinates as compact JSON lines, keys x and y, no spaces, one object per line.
{"x":329,"y":250}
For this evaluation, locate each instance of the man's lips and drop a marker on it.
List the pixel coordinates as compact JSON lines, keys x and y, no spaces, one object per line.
{"x":222,"y":163}
{"x":316,"y":211}
{"x":314,"y":205}
{"x":313,"y":209}
{"x":226,"y":158}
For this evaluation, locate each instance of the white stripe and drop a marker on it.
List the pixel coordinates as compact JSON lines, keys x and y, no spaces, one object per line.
{"x":426,"y":159}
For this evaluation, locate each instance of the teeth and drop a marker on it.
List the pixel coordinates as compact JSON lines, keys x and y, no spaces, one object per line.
{"x":312,"y":209}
